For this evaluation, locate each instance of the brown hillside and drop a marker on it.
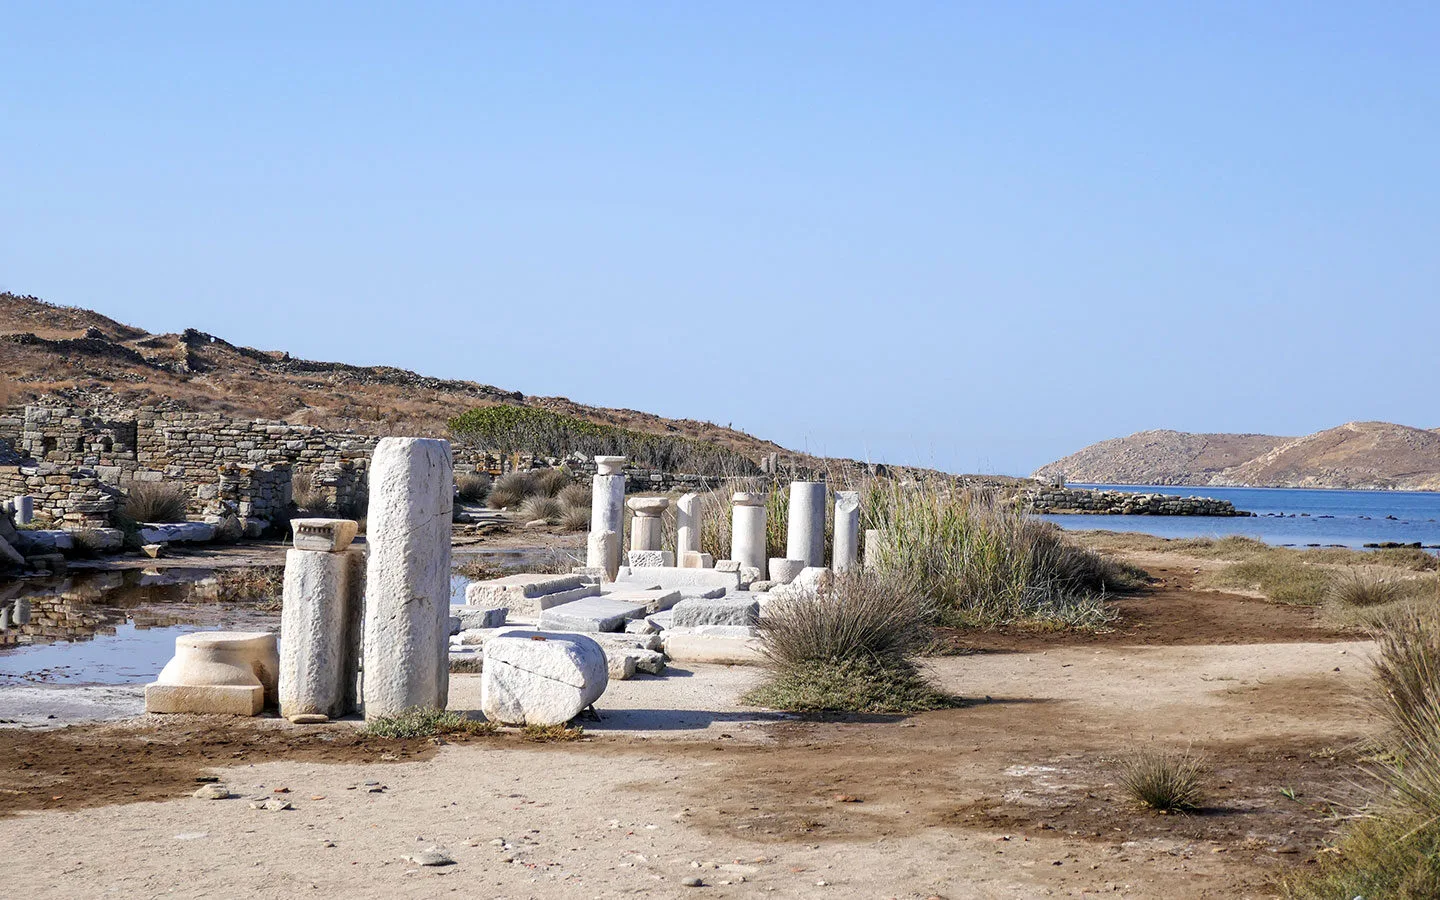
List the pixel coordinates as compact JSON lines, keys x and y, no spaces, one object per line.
{"x":1359,"y":455}
{"x":90,"y":360}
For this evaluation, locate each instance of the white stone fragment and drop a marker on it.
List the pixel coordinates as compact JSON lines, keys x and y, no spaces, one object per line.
{"x":407,"y":585}
{"x":694,"y":559}
{"x":328,"y":535}
{"x":687,"y":527}
{"x":532,"y":678}
{"x":784,"y":571}
{"x":320,"y":632}
{"x":650,"y":559}
{"x":847,"y":530}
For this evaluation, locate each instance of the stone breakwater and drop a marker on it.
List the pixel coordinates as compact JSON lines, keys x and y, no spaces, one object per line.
{"x":1082,"y":501}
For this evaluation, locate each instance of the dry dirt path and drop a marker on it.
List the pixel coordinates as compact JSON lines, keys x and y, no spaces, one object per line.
{"x":1010,"y":796}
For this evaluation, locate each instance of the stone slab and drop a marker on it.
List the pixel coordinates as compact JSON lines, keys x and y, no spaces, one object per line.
{"x":687,"y":581}
{"x":478,"y":617}
{"x":177,"y":533}
{"x":655,"y":599}
{"x":650,"y":559}
{"x":214,"y":699}
{"x":722,"y":611}
{"x":690,"y":647}
{"x":590,"y":614}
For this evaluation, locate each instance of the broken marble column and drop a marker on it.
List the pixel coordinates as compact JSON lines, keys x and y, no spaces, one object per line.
{"x":645,"y":528}
{"x":872,"y":547}
{"x":407,"y":583}
{"x":24,"y":509}
{"x":747,"y":530}
{"x":805,"y":528}
{"x":607,"y":510}
{"x":604,"y":547}
{"x":320,"y":621}
{"x":687,"y":526}
{"x":220,"y":672}
{"x":847,"y":531}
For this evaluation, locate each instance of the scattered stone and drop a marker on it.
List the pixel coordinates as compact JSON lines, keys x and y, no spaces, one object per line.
{"x":308,"y":719}
{"x":532,"y":678}
{"x":154,"y":551}
{"x":212,"y":792}
{"x":432,"y":857}
{"x":272,"y":804}
{"x":722,"y":611}
{"x":641,"y":626}
{"x":692,"y":881}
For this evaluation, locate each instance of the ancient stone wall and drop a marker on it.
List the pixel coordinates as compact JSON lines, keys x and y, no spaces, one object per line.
{"x":1123,"y":503}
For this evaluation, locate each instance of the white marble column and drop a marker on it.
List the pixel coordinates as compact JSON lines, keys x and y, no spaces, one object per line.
{"x":407,"y":583}
{"x":872,"y":548}
{"x":645,"y":528}
{"x":805,"y":526}
{"x":747,"y":531}
{"x":607,"y":510}
{"x":687,"y":527}
{"x":847,"y":530}
{"x":320,"y":626}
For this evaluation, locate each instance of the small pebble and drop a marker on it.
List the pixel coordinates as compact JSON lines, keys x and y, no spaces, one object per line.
{"x":212,"y":792}
{"x":692,"y":882}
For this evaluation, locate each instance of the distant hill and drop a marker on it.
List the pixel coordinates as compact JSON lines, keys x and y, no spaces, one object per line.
{"x":1357,"y":455}
{"x":89,"y":360}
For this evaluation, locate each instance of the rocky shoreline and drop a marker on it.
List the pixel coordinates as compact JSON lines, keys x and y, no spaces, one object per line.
{"x":1088,"y":501}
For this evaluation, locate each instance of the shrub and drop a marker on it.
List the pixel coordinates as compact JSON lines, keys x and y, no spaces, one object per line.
{"x":551,"y":481}
{"x":505,"y":429}
{"x":1165,"y":780}
{"x":1394,"y":850}
{"x":1360,"y":588}
{"x":156,"y":501}
{"x":510,"y":489}
{"x":576,"y":495}
{"x":575,"y":518}
{"x":540,"y":507}
{"x":986,"y":563}
{"x":850,"y":648}
{"x":473,"y":487}
{"x":420,"y":721}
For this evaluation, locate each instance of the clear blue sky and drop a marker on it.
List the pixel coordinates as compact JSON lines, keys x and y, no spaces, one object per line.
{"x":970,"y":236}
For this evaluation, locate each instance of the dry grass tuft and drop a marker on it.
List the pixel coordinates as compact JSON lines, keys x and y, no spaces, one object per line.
{"x":511,"y":489}
{"x":156,"y":501}
{"x":551,"y":734}
{"x":540,"y":507}
{"x":575,"y":518}
{"x":1165,"y":780}
{"x":551,"y":482}
{"x":575,"y":495}
{"x":472,"y":488}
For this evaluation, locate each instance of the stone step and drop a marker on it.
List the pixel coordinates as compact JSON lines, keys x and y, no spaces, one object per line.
{"x":590,"y":614}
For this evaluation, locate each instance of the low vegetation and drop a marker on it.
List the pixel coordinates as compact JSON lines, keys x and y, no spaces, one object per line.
{"x":987,"y":563}
{"x":423,"y":721}
{"x":308,"y":496}
{"x":551,"y":734}
{"x":1164,"y":780}
{"x":1392,"y":848}
{"x":506,"y":429}
{"x":261,"y":586}
{"x":540,"y":507}
{"x":849,"y":648}
{"x":156,"y":501}
{"x":472,"y":487}
{"x":511,"y":489}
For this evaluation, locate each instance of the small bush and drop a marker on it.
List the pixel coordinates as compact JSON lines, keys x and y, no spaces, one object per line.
{"x":1358,"y":588}
{"x":849,"y":648}
{"x":850,"y":685}
{"x":1165,"y":780}
{"x":511,"y":489}
{"x":551,"y":482}
{"x":156,"y":502}
{"x":540,"y":507}
{"x":423,"y":721}
{"x":472,"y":488}
{"x":576,"y":496}
{"x":575,"y":518}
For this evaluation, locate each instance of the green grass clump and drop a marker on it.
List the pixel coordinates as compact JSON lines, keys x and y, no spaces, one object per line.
{"x":1164,"y":780}
{"x":156,"y":501}
{"x":1358,"y":588}
{"x":987,"y":563}
{"x":421,"y":721}
{"x":472,"y":488}
{"x":1283,"y":578}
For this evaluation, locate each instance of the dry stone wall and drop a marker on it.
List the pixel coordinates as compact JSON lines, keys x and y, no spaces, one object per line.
{"x":1124,"y":503}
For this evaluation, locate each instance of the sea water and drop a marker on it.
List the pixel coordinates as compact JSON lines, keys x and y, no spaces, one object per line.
{"x":1287,"y":517}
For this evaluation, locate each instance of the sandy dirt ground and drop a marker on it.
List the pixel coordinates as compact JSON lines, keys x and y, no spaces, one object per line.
{"x":1011,"y":795}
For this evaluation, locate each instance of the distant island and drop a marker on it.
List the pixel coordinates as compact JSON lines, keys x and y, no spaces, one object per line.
{"x":1354,"y":456}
